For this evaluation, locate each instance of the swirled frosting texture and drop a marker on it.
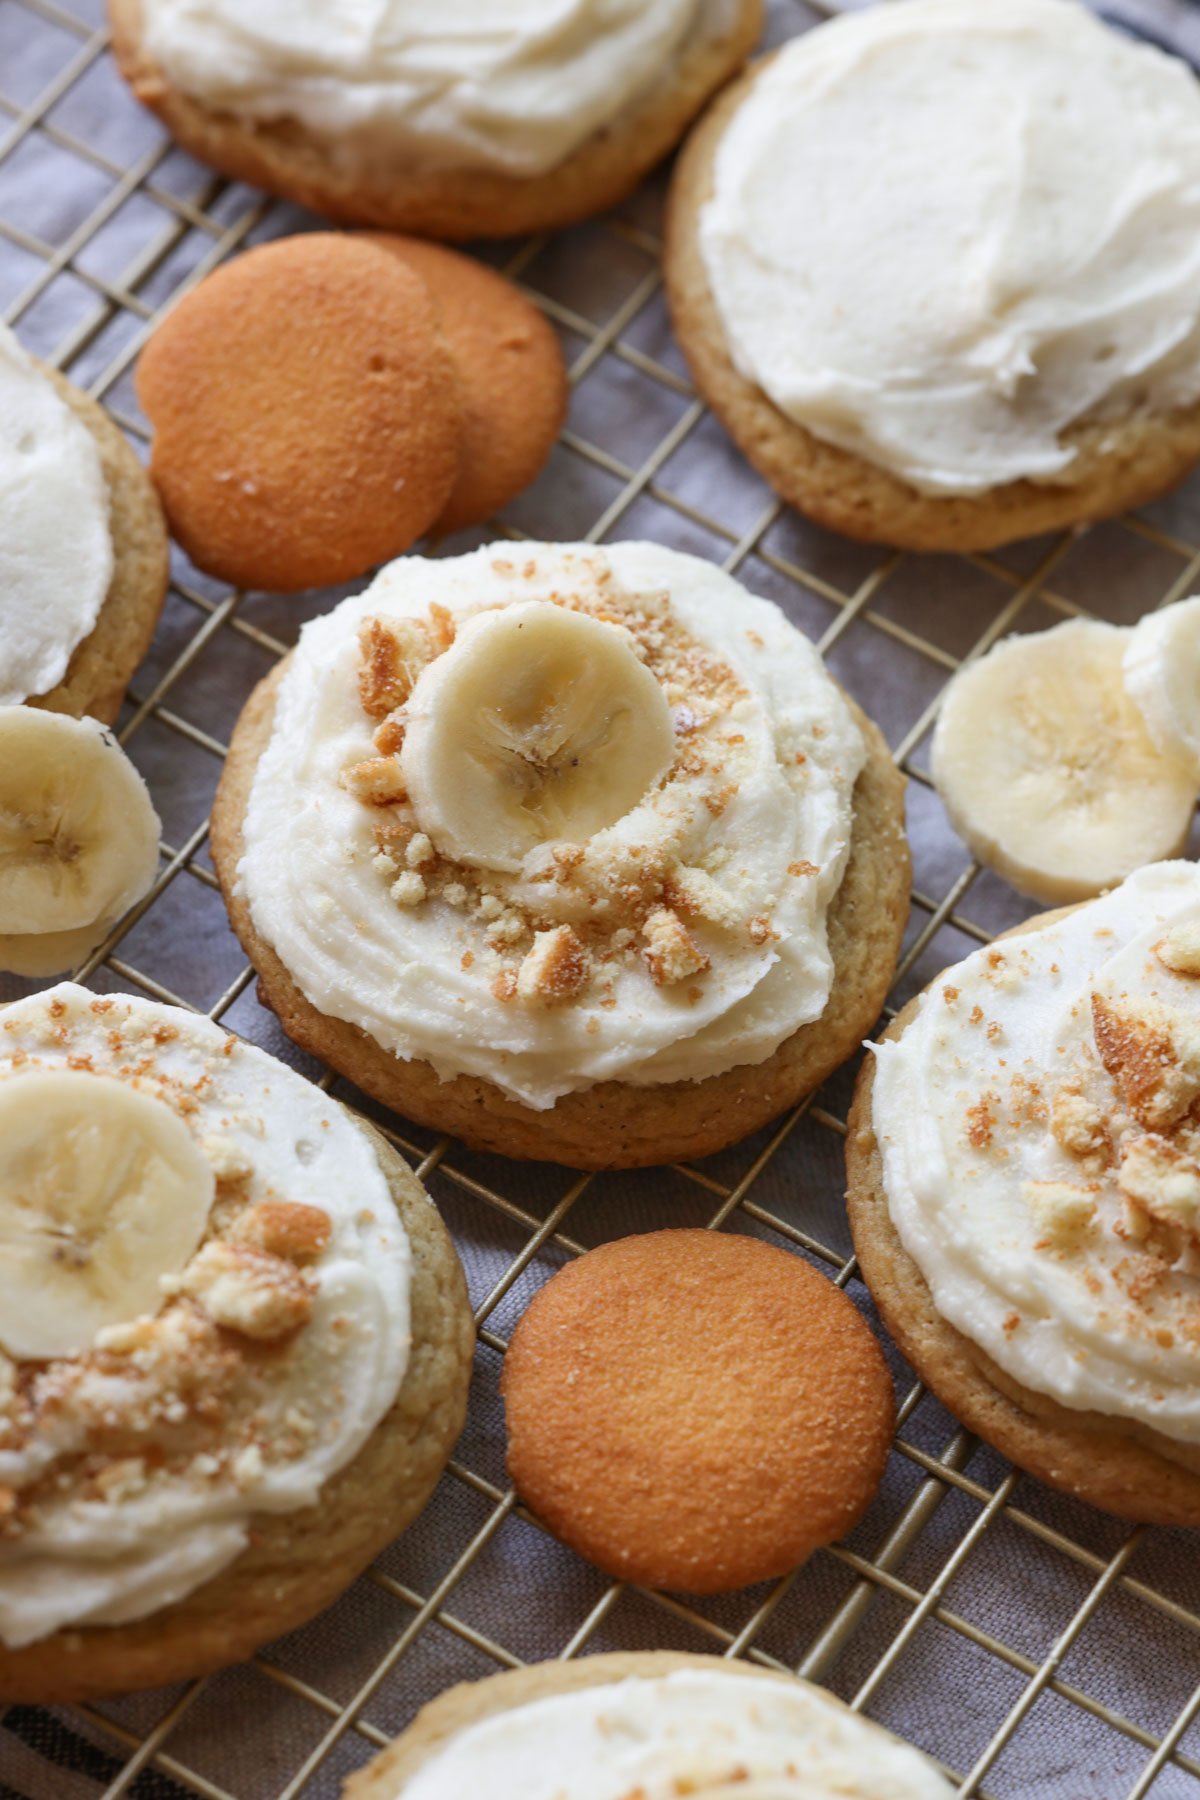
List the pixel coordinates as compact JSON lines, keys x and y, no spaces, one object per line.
{"x":696,"y":921}
{"x":510,"y":85}
{"x":943,"y":231}
{"x":56,"y":554}
{"x":1038,"y":1123}
{"x":131,"y":1474}
{"x":722,"y":1736}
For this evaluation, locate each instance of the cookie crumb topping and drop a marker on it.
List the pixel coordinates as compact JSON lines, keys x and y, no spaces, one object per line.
{"x":555,"y":969}
{"x":1152,"y":1053}
{"x":671,"y":953}
{"x":1179,"y":951}
{"x":393,"y":653}
{"x":1063,"y":1209}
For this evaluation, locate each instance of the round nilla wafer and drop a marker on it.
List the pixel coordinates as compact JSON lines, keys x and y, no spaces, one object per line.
{"x":306,"y":413}
{"x":695,"y":1410}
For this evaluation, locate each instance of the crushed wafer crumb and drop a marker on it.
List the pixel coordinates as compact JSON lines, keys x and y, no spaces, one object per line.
{"x":1062,"y":1210}
{"x":287,"y":1228}
{"x":1179,"y":951}
{"x":671,"y":952}
{"x":1161,"y":1186}
{"x":248,"y":1291}
{"x":1152,"y":1053}
{"x":377,"y":781}
{"x":556,"y":969}
{"x":393,"y":653}
{"x":1080,"y":1128}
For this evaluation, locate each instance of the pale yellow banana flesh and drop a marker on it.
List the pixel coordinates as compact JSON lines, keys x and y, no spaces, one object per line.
{"x":78,"y":838}
{"x":539,"y":725}
{"x":1162,"y":673}
{"x":102,"y":1192}
{"x":1047,"y":770}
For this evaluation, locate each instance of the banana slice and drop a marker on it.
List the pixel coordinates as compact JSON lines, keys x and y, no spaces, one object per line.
{"x":102,"y":1191}
{"x":1046,"y":768}
{"x":78,"y":838}
{"x":539,"y":725}
{"x":1162,"y":672}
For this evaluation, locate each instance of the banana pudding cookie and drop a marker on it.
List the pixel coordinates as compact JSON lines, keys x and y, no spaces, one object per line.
{"x":579,"y":854}
{"x":234,"y":1346}
{"x":652,"y":1725}
{"x":83,"y":547}
{"x":1024,"y":1187}
{"x":472,"y":118}
{"x":936,"y":266}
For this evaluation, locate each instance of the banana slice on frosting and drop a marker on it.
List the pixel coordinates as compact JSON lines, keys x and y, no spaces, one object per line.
{"x":1162,"y":672}
{"x":78,"y":838}
{"x":1046,"y":767}
{"x":103,"y":1191}
{"x":539,"y":725}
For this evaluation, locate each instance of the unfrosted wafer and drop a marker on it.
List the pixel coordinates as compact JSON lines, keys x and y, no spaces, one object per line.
{"x":695,"y":1410}
{"x":306,"y":414}
{"x":511,"y":374}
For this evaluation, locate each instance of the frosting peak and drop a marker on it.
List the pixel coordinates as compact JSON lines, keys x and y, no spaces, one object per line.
{"x":943,"y":231}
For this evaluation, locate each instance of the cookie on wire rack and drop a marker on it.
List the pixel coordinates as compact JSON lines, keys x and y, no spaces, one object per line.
{"x":451,"y":129}
{"x":925,"y":328}
{"x":576,"y":853}
{"x":244,"y":1379}
{"x":695,"y":1410}
{"x":1024,"y":1194}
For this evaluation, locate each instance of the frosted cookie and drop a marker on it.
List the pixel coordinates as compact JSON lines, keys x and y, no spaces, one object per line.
{"x":695,"y":1410}
{"x":78,"y":839}
{"x":83,"y":549}
{"x":306,"y":413}
{"x":1063,"y":771}
{"x":234,"y":1346}
{"x":468,"y":120}
{"x":653,"y":1724}
{"x":576,"y":853}
{"x":1024,"y":1189}
{"x":512,"y":380}
{"x":935,"y":267}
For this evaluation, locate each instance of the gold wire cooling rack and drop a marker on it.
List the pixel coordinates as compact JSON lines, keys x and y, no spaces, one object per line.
{"x":1038,"y":1650}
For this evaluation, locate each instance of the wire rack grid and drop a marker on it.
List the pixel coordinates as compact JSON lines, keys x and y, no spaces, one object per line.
{"x":1032,"y":1646}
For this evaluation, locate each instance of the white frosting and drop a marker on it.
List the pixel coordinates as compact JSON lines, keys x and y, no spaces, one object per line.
{"x":964,"y":1110}
{"x":510,"y":85}
{"x":56,"y":554}
{"x":776,"y":851}
{"x":724,"y":1736}
{"x":942,"y":231}
{"x":285,"y":1422}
